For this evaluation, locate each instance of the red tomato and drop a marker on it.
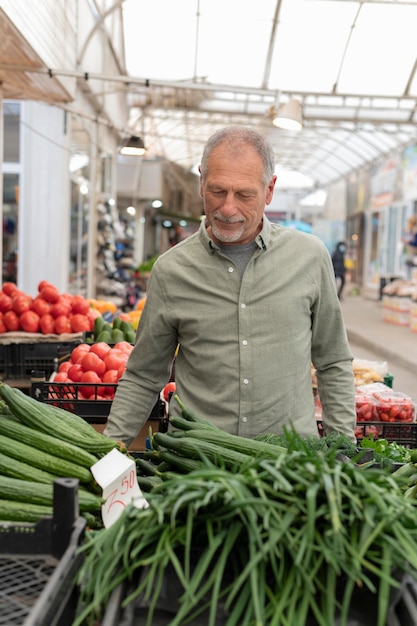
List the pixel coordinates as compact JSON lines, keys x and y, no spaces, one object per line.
{"x":123,"y":346}
{"x":47,"y":324}
{"x":61,"y":377}
{"x":114,"y":360}
{"x":44,"y":283}
{"x":101,"y":348}
{"x":50,"y":294}
{"x":79,"y":351}
{"x":62,"y":324}
{"x":11,"y":321}
{"x":111,"y":376}
{"x":61,"y":307}
{"x":30,"y":322}
{"x":109,"y":393}
{"x":92,"y":363}
{"x":169,"y":389}
{"x":75,"y":372}
{"x":5,"y":302}
{"x":64,"y":367}
{"x":121,"y":370}
{"x":80,"y":305}
{"x":21,"y":303}
{"x":91,"y":377}
{"x":80,"y":323}
{"x":3,"y":328}
{"x":9,"y":288}
{"x":41,"y":306}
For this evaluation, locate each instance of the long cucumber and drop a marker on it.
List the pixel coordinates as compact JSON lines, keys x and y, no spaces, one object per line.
{"x":12,"y":511}
{"x":41,"y":493}
{"x":12,"y":427}
{"x":44,"y":461}
{"x":51,"y":420}
{"x":199,"y":449}
{"x":20,"y":469}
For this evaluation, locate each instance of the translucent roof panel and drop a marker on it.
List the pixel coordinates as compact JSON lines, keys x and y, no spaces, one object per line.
{"x":197,"y":65}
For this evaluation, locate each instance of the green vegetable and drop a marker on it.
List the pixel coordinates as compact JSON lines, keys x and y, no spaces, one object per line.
{"x":41,"y":493}
{"x":55,"y":421}
{"x":11,"y":427}
{"x":23,"y":512}
{"x":15,"y":468}
{"x":44,"y":461}
{"x":117,"y":335}
{"x":276,"y":540}
{"x":104,"y":336}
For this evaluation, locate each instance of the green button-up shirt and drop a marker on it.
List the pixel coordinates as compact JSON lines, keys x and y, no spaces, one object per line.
{"x":246,"y":344}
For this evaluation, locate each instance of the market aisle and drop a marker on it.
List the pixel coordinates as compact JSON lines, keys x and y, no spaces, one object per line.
{"x":372,"y":338}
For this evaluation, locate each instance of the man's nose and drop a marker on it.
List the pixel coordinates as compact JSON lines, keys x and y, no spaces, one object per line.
{"x":229,"y":204}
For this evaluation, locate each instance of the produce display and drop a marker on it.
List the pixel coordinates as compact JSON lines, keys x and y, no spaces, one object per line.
{"x":118,"y":330}
{"x":50,"y":312}
{"x":94,"y":369}
{"x":377,"y":402}
{"x":282,"y":531}
{"x":39,"y":443}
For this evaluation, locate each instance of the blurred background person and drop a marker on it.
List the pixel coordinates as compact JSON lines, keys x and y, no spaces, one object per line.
{"x":339,"y":267}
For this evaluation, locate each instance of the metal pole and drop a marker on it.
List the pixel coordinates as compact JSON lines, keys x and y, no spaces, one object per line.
{"x":92,"y":222}
{"x":1,"y":175}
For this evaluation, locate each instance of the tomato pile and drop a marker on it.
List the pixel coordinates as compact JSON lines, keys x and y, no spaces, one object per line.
{"x":384,"y":405}
{"x":365,"y":408}
{"x":50,"y":312}
{"x":394,"y":407}
{"x":95,"y":368}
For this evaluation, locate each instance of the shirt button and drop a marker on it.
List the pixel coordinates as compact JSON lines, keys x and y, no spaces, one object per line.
{"x":230,"y":269}
{"x":244,"y":342}
{"x":243,"y":305}
{"x":245,"y":381}
{"x":244,"y":419}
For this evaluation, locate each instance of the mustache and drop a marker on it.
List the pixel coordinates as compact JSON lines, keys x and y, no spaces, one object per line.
{"x":227,"y":220}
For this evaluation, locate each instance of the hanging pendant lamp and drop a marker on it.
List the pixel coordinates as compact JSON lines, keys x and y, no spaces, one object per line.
{"x":289,"y":116}
{"x":133,"y":146}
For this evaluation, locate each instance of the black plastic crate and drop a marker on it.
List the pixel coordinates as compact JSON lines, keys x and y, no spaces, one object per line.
{"x":39,"y":562}
{"x":93,"y":410}
{"x":4,"y":357}
{"x":403,"y":433}
{"x":21,"y":358}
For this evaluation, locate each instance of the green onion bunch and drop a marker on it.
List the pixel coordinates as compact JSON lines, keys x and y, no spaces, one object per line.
{"x":263,"y":539}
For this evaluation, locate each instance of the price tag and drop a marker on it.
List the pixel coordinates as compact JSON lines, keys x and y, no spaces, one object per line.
{"x":116,"y":475}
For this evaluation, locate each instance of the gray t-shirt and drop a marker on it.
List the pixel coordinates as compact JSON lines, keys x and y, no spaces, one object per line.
{"x":240,"y":254}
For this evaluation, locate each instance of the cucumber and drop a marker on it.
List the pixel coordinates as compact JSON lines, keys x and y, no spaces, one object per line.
{"x":55,"y":421}
{"x":19,"y":469}
{"x":44,"y":461}
{"x":12,"y":427}
{"x":12,"y":511}
{"x":30,"y":492}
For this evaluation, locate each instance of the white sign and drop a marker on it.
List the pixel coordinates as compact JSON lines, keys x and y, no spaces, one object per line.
{"x":116,"y":475}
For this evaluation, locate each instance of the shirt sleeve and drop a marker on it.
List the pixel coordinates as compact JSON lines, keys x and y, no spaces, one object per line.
{"x":148,"y":369}
{"x":332,"y":358}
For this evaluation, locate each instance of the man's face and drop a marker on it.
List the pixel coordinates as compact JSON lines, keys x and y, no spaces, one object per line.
{"x":234,"y":194}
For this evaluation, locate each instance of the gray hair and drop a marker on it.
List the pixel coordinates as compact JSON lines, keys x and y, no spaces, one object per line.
{"x":236,"y":137}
